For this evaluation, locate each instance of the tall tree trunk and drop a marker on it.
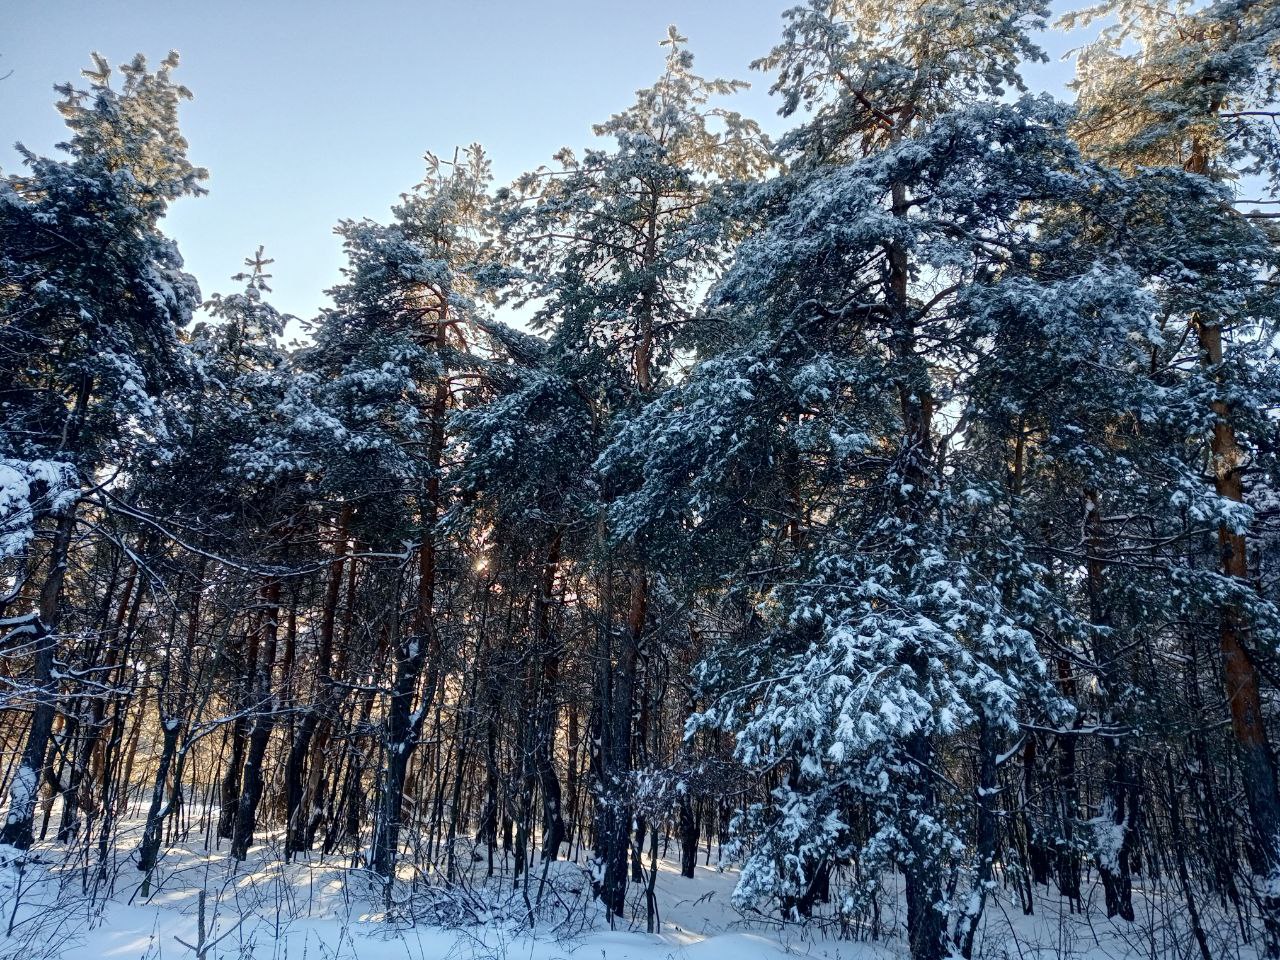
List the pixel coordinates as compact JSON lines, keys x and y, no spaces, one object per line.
{"x":1240,"y":674}
{"x":404,"y":722}
{"x":300,"y":790}
{"x":548,"y":707}
{"x":149,"y":848}
{"x":1113,"y":825}
{"x":619,"y":822}
{"x":17,"y":829}
{"x":926,"y":926}
{"x":94,"y":722}
{"x":987,"y":833}
{"x":610,"y":744}
{"x":23,"y":790}
{"x":1067,"y":797}
{"x":688,"y":835}
{"x":263,"y":721}
{"x":229,"y":794}
{"x":172,"y":723}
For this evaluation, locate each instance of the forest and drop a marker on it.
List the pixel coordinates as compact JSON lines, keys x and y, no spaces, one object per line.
{"x":885,"y":514}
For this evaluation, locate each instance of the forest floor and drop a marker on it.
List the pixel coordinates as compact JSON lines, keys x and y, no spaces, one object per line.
{"x":320,"y":909}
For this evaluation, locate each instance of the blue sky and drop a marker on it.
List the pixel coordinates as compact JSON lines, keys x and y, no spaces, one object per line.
{"x":310,"y":111}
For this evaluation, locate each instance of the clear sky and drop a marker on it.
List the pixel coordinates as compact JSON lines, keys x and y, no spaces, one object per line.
{"x":310,"y":111}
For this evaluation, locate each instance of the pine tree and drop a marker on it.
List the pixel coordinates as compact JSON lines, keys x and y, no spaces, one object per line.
{"x":93,"y":299}
{"x":851,"y":279}
{"x":613,"y":249}
{"x":389,"y":351}
{"x":1197,"y":95}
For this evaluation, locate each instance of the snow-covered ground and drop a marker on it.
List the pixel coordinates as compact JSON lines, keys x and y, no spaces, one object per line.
{"x":317,"y":908}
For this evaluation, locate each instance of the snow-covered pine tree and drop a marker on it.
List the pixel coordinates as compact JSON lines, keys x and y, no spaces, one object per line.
{"x":1181,"y":85}
{"x":384,"y":363}
{"x":524,"y":452}
{"x":1108,"y":407}
{"x":893,"y":597}
{"x":93,"y":299}
{"x":930,"y":273}
{"x":200,"y":482}
{"x":884,"y":638}
{"x":1193,"y":88}
{"x":614,"y":251}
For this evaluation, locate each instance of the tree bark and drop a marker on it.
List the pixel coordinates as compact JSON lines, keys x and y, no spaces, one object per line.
{"x":548,"y":707}
{"x":263,"y":721}
{"x":404,"y":722}
{"x":300,"y":789}
{"x":1240,"y":674}
{"x":1113,"y":826}
{"x":23,"y":791}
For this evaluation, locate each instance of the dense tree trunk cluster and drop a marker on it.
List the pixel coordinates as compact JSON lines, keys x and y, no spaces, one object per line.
{"x":897,"y":499}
